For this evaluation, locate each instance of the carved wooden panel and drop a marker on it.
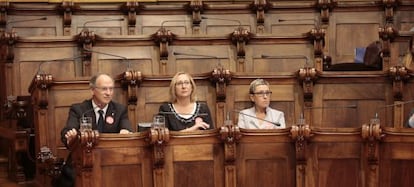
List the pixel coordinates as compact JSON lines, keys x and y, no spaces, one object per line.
{"x":349,"y":31}
{"x":335,"y":159}
{"x":356,"y":104}
{"x":271,"y":163}
{"x":197,"y":156}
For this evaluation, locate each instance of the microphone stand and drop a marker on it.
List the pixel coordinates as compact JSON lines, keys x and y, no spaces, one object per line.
{"x":113,"y":55}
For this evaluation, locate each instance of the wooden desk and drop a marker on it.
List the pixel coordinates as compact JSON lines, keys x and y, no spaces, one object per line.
{"x":230,"y":157}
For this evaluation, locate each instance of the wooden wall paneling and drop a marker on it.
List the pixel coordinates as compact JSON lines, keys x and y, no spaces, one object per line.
{"x":199,"y":59}
{"x":285,"y":24}
{"x":404,"y":20}
{"x":348,"y":31}
{"x":26,"y":26}
{"x":107,"y":25}
{"x":31,"y":59}
{"x":286,"y":57}
{"x":265,"y":158}
{"x":334,"y":158}
{"x":331,"y":108}
{"x":223,"y":24}
{"x":396,"y":157}
{"x":177,"y":24}
{"x":194,"y":160}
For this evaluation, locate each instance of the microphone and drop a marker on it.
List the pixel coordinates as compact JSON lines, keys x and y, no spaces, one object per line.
{"x":332,"y":107}
{"x":254,"y":117}
{"x":100,"y":20}
{"x":199,"y":55}
{"x":170,"y":21}
{"x":390,"y":105}
{"x":223,"y":19}
{"x":40,"y":71}
{"x":113,"y":55}
{"x":24,"y":20}
{"x":289,"y":57}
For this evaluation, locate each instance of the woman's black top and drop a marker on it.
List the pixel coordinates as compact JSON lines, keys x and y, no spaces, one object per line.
{"x":175,"y":122}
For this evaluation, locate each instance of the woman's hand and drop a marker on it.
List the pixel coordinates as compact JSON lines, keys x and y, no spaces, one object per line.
{"x":198,"y":125}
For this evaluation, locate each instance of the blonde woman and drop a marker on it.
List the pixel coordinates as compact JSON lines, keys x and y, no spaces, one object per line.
{"x":184,"y":112}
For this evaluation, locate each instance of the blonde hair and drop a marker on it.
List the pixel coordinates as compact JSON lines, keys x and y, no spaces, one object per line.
{"x":408,"y":59}
{"x":174,"y":82}
{"x":256,"y":83}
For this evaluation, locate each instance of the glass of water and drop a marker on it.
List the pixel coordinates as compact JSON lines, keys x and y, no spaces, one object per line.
{"x":85,"y":124}
{"x":158,"y":122}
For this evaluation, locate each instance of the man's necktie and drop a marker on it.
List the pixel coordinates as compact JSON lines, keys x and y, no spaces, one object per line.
{"x":101,"y":122}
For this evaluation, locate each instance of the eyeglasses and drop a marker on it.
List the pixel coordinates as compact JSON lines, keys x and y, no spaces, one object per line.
{"x":183,"y":83}
{"x":262,"y":94}
{"x":104,"y":89}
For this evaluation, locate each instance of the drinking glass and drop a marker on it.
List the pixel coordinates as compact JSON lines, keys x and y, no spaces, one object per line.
{"x":158,"y":122}
{"x":85,"y":124}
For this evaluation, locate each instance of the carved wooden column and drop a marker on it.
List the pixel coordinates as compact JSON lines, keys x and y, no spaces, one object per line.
{"x":230,"y":135}
{"x":307,"y":76}
{"x":86,"y":39}
{"x":39,"y":89}
{"x":260,"y":7}
{"x":372,"y":135}
{"x":66,"y":9}
{"x":159,"y":137}
{"x":398,"y":75}
{"x":4,"y":5}
{"x":325,"y":6}
{"x":163,"y":38}
{"x":47,"y":166}
{"x":240,"y":37}
{"x":196,"y":8}
{"x":300,"y":133}
{"x":82,"y":156}
{"x":220,"y":77}
{"x":317,"y":37}
{"x":389,"y":7}
{"x":131,"y":8}
{"x":130,"y":81}
{"x":387,"y":34}
{"x":7,"y":42}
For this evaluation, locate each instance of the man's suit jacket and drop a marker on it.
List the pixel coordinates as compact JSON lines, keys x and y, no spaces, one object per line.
{"x":116,"y":111}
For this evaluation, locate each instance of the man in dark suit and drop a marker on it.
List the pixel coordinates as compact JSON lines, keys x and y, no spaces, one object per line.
{"x":114,"y":117}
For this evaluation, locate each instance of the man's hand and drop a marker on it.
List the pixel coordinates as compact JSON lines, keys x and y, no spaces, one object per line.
{"x":124,"y":131}
{"x":70,"y":135}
